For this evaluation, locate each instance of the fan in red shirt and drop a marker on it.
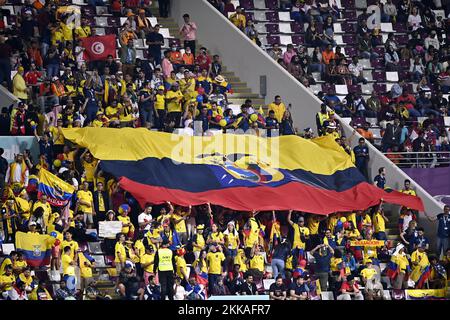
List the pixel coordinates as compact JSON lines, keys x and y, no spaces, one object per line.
{"x":33,"y":76}
{"x":203,"y":59}
{"x":349,"y":289}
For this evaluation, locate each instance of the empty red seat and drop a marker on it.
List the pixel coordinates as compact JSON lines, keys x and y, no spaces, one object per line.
{"x":350,"y":15}
{"x":349,"y":39}
{"x":354,"y":88}
{"x":379,"y":87}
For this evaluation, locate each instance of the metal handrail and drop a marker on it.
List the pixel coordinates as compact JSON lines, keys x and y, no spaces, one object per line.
{"x":427,"y":159}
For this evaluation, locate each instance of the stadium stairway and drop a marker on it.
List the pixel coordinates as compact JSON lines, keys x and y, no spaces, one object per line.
{"x":241,"y":91}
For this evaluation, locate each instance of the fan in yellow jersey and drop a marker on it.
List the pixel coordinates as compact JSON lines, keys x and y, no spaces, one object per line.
{"x":251,"y":233}
{"x":173,"y":100}
{"x":256,"y":263}
{"x":178,"y":219}
{"x":120,"y":255}
{"x":127,"y":227}
{"x":180,"y":263}
{"x":408,"y":190}
{"x":239,"y":19}
{"x":198,"y":241}
{"x":421,"y":267}
{"x":89,"y":164}
{"x":6,"y":281}
{"x":379,"y":224}
{"x":86,"y":204}
{"x":372,"y":284}
{"x":47,"y":210}
{"x":301,"y":235}
{"x":215,"y":237}
{"x":241,"y":260}
{"x":86,"y":264}
{"x":69,"y":242}
{"x":214,"y":259}
{"x":147,"y":261}
{"x":231,"y":240}
{"x":160,"y":108}
{"x":68,"y":265}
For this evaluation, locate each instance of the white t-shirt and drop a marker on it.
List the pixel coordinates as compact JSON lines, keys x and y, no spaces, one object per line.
{"x":143,"y":217}
{"x":179,"y":292}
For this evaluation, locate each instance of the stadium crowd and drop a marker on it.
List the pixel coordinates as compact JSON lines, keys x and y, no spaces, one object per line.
{"x":418,"y":100}
{"x":167,"y":250}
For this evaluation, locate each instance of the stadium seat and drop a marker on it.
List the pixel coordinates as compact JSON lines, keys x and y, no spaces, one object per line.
{"x":272,"y":28}
{"x":99,"y":261}
{"x":284,"y":16}
{"x":271,"y":40}
{"x":298,"y":39}
{"x":285,"y":40}
{"x":271,"y":4}
{"x":447,"y":121}
{"x":392,"y":76}
{"x":260,"y":4}
{"x":315,"y":88}
{"x":285,"y":27}
{"x":386,"y":27}
{"x":297,"y":27}
{"x":341,"y":89}
{"x":367,"y":88}
{"x":268,"y":283}
{"x":327,"y":295}
{"x":272,"y":16}
{"x":95,"y":247}
{"x":7,"y":248}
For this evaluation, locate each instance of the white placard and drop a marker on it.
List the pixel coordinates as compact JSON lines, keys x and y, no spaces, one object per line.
{"x":109,"y":229}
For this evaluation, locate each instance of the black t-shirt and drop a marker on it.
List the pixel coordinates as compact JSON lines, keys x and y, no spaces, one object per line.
{"x":277,"y":290}
{"x":299,"y":289}
{"x":153,"y":37}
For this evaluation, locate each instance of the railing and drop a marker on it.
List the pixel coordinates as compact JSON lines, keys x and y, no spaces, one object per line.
{"x":420,"y":159}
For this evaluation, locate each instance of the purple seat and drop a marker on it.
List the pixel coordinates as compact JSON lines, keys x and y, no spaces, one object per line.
{"x":402,"y":74}
{"x":348,"y":27}
{"x":350,"y":15}
{"x":402,"y":39}
{"x":400,"y":27}
{"x":404,"y":63}
{"x":272,"y":16}
{"x":297,"y":27}
{"x":272,"y":28}
{"x":247,"y":4}
{"x":113,"y":22}
{"x":298,"y":39}
{"x":351,"y":51}
{"x":10,"y":20}
{"x":379,"y":76}
{"x":272,"y":4}
{"x":378,"y":63}
{"x":111,"y":30}
{"x":408,"y":87}
{"x":354,"y":88}
{"x":348,"y":3}
{"x":379,"y":87}
{"x":349,"y":39}
{"x":89,"y":11}
{"x":271,"y":40}
{"x":379,"y":50}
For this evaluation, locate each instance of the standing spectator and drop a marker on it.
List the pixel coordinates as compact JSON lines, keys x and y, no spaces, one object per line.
{"x":443,"y":232}
{"x":101,"y":202}
{"x":390,"y":11}
{"x":323,"y":254}
{"x":188,"y":32}
{"x":20,"y":88}
{"x":278,"y":107}
{"x":414,"y":19}
{"x":361,"y":152}
{"x":238,"y":18}
{"x":380,"y":179}
{"x":164,"y":8}
{"x":128,"y":57}
{"x":155,"y":41}
{"x":164,"y":265}
{"x":5,"y":63}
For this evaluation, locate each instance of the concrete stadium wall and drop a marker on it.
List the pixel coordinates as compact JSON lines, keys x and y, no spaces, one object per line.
{"x":6,"y":97}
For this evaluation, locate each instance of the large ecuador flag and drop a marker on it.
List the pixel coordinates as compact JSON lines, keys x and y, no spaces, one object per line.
{"x":57,"y":190}
{"x":99,"y":47}
{"x":35,"y":247}
{"x":241,"y":172}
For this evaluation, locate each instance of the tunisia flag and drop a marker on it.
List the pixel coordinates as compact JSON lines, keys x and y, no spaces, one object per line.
{"x":99,"y":47}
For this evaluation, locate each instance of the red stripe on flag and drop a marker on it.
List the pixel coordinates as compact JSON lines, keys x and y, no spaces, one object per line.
{"x":293,"y":195}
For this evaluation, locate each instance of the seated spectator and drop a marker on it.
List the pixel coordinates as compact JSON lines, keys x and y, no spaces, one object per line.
{"x":349,"y":289}
{"x":248,"y":288}
{"x":299,"y":290}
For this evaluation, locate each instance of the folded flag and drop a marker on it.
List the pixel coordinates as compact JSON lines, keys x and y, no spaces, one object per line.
{"x":99,"y":47}
{"x":35,"y":247}
{"x":240,"y":172}
{"x":58,"y":192}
